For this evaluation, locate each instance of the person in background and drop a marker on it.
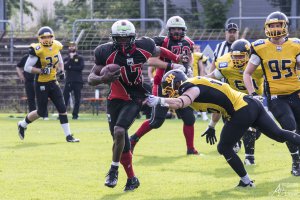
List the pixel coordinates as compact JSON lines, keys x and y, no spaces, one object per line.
{"x":28,"y":80}
{"x":74,"y":65}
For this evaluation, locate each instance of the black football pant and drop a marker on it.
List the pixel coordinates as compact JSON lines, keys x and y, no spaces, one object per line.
{"x":286,"y":110}
{"x":123,"y":113}
{"x":52,"y":91}
{"x":76,"y":88}
{"x":252,"y":115}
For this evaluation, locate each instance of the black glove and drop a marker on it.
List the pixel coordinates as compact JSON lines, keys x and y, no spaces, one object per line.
{"x":46,"y":70}
{"x":61,"y":75}
{"x":210,"y":135}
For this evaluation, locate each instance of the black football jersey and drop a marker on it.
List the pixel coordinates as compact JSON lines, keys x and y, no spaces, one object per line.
{"x":130,"y":83}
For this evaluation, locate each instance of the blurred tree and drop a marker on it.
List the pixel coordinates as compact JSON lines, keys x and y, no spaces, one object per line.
{"x":285,"y":5}
{"x":14,"y":5}
{"x":214,"y":12}
{"x":46,"y":19}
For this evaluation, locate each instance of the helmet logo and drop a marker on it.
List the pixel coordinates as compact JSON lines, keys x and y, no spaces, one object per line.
{"x":170,"y":78}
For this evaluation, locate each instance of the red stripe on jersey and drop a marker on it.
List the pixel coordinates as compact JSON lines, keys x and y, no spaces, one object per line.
{"x":111,"y":58}
{"x":166,"y":42}
{"x":189,"y":41}
{"x":145,"y":53}
{"x":118,"y":91}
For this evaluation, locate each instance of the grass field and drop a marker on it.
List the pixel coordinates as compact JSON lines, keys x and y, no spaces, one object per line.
{"x":44,"y":166}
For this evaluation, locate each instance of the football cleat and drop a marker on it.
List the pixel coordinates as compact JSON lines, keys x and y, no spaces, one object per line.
{"x":192,"y":152}
{"x":296,"y":168}
{"x":249,"y":160}
{"x":244,"y":185}
{"x":132,"y":184}
{"x":21,"y":131}
{"x":133,"y":140}
{"x":237,"y":147}
{"x":111,"y":178}
{"x":70,"y":138}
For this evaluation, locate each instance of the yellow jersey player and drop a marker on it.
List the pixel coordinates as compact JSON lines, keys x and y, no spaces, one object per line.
{"x":199,"y":69}
{"x":45,"y":61}
{"x":231,"y":67}
{"x":279,"y":57}
{"x":241,"y":110}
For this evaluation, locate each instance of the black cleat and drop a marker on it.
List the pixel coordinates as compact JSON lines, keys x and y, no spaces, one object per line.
{"x":243,"y":185}
{"x":70,"y":138}
{"x":111,"y":178}
{"x":249,"y":160}
{"x":21,"y":131}
{"x":296,"y":168}
{"x":132,"y":184}
{"x":192,"y":152}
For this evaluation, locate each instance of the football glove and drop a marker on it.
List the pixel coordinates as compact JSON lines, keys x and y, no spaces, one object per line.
{"x":153,"y":101}
{"x":178,"y":66}
{"x":258,"y":97}
{"x":61,"y":75}
{"x":46,"y":70}
{"x":210,"y":134}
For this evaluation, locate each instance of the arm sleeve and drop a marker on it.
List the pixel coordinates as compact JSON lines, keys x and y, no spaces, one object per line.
{"x":298,"y":58}
{"x":254,"y":59}
{"x":60,"y":59}
{"x":31,"y":61}
{"x":218,"y":74}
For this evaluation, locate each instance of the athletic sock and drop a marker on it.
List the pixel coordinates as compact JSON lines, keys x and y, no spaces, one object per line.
{"x":126,"y":161}
{"x":188,"y":132}
{"x":144,"y":128}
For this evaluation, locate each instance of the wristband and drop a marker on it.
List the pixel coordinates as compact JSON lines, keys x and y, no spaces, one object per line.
{"x":212,"y":124}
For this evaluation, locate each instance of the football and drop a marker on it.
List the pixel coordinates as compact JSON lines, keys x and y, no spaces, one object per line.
{"x":109,"y":68}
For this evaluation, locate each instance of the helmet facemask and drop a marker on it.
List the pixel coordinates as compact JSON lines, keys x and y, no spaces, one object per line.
{"x":123,"y":44}
{"x":239,"y":58}
{"x":46,"y":36}
{"x":276,"y":31}
{"x":176,"y":33}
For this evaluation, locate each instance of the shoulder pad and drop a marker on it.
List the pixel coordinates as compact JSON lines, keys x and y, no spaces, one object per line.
{"x":296,"y":40}
{"x":258,"y":42}
{"x":36,"y":46}
{"x":58,"y":44}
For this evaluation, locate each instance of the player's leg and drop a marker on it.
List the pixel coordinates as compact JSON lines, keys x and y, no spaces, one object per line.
{"x":77,"y":97}
{"x":42,"y":101}
{"x":249,"y":144}
{"x":232,"y":132}
{"x":56,"y":97}
{"x":188,"y":118}
{"x":29,"y":88}
{"x":158,"y":117}
{"x":283,"y":113}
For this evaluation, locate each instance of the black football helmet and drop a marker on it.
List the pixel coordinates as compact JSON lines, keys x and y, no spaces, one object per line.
{"x":176,"y":22}
{"x":276,"y":17}
{"x":171,"y":82}
{"x":123,"y":35}
{"x":43,"y":34}
{"x":240,"y":52}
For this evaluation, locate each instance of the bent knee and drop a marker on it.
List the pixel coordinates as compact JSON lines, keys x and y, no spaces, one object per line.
{"x":119,"y":132}
{"x":156,"y":123}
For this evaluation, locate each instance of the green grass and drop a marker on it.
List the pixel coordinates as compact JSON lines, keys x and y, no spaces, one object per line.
{"x":44,"y":166}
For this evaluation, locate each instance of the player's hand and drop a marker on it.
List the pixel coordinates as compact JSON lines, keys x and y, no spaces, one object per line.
{"x":153,"y":101}
{"x":210,"y":135}
{"x":61,"y":75}
{"x":46,"y":70}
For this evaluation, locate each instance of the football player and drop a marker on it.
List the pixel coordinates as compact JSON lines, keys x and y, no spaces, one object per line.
{"x":199,"y":69}
{"x":45,"y":61}
{"x":279,"y":57}
{"x":178,"y":43}
{"x":231,"y":67}
{"x":241,"y":110}
{"x":127,"y":93}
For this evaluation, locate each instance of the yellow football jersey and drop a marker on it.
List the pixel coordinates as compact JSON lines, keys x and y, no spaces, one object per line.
{"x":47,"y":56}
{"x":215,"y":96}
{"x":279,"y":65}
{"x":196,"y":57}
{"x":234,"y":76}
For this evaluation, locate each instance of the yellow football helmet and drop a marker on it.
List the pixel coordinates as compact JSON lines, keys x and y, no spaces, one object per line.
{"x":240,"y":52}
{"x":276,"y":17}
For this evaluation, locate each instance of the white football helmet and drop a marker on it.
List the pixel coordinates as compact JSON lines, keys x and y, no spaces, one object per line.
{"x":176,"y":22}
{"x":123,"y":35}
